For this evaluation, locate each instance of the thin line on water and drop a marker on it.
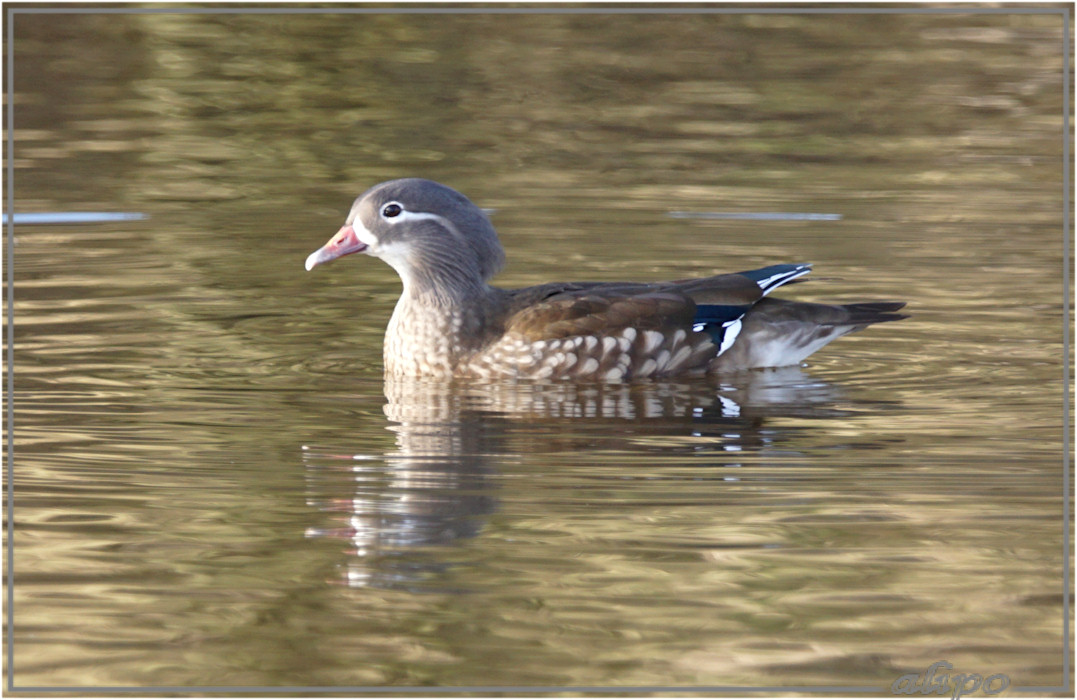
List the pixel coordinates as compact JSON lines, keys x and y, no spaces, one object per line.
{"x":754,"y":215}
{"x":72,"y":217}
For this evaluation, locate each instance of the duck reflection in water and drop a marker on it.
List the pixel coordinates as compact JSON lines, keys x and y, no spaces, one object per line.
{"x":405,"y":513}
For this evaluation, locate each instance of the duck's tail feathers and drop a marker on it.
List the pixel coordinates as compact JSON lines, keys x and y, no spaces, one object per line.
{"x":777,"y":333}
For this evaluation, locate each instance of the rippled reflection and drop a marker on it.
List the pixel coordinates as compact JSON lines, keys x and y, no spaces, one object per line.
{"x":436,"y":486}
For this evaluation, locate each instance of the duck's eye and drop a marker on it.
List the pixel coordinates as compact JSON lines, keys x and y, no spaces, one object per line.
{"x":390,"y":210}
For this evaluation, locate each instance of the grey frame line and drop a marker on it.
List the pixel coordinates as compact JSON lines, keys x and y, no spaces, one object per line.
{"x":1067,"y":545}
{"x":1064,"y":12}
{"x":440,"y":10}
{"x":9,"y":337}
{"x":434,"y":691}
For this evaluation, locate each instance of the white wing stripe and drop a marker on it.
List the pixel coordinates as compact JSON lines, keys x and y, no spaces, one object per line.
{"x":775,"y":281}
{"x":732,"y":330}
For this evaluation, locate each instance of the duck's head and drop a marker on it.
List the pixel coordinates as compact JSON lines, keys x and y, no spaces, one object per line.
{"x":431,"y":234}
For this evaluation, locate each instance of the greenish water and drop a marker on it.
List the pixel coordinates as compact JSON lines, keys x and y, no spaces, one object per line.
{"x":215,"y":487}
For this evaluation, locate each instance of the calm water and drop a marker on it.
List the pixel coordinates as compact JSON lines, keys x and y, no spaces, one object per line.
{"x":215,"y":487}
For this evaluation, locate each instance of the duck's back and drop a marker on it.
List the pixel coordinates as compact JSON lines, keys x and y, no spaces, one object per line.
{"x":609,"y":331}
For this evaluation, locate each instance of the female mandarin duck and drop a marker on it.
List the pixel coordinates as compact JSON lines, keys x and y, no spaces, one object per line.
{"x":449,"y":322}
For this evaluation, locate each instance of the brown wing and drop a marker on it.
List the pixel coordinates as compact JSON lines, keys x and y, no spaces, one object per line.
{"x":607,"y":331}
{"x":599,"y":311}
{"x":562,"y":310}
{"x":722,"y":289}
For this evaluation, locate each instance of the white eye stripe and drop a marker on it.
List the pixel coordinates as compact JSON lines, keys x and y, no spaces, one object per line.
{"x":406,"y":215}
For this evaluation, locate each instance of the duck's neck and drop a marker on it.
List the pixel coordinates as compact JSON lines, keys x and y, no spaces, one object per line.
{"x":431,"y":333}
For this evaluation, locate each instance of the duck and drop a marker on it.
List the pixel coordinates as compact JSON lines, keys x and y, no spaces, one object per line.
{"x":451,"y":323}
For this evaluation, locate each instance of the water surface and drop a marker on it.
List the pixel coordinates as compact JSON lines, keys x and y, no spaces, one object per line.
{"x":215,"y":486}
